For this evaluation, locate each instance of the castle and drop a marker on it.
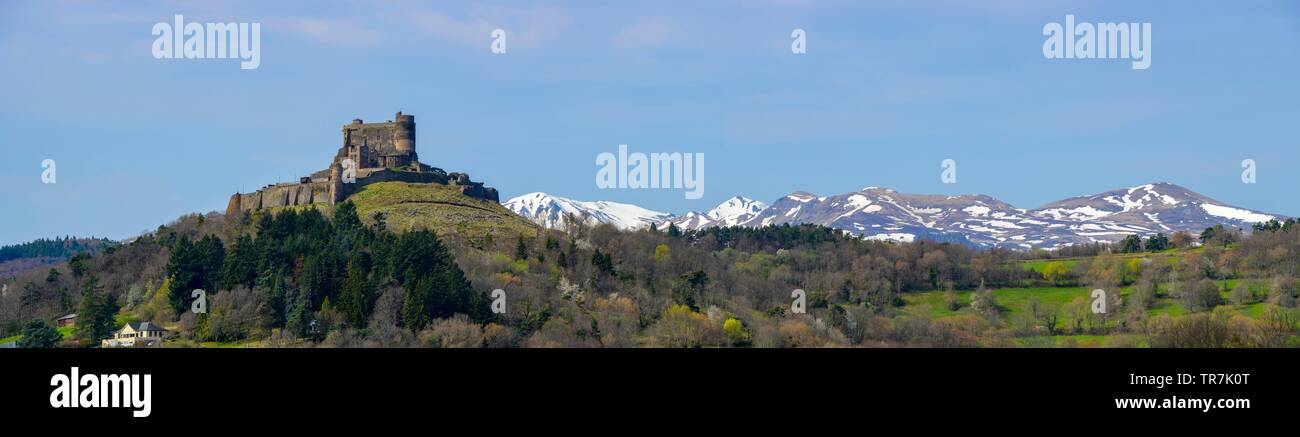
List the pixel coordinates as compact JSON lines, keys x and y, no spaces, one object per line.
{"x":371,"y":152}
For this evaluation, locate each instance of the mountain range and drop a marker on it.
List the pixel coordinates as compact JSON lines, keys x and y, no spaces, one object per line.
{"x":978,"y":220}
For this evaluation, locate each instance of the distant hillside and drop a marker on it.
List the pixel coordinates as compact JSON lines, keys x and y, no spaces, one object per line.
{"x":18,"y":258}
{"x":56,"y":248}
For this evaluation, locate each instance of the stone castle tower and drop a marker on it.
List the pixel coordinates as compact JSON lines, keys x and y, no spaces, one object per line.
{"x":389,"y":144}
{"x":371,"y":152}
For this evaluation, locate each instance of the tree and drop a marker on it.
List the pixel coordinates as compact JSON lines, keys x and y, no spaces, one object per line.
{"x":662,"y":253}
{"x":1130,"y":244}
{"x":345,"y":217}
{"x":416,"y":308}
{"x":1283,"y":293}
{"x":521,"y":249}
{"x":194,"y":266}
{"x":1143,"y":295}
{"x":1157,"y":243}
{"x":37,"y":334}
{"x":984,"y":302}
{"x":1050,"y":321}
{"x":271,"y":303}
{"x":95,"y":314}
{"x":1200,"y":295}
{"x":1219,"y":236}
{"x":1077,"y":312}
{"x":735,"y":332}
{"x":357,"y":295}
{"x":687,"y":287}
{"x":1242,"y":295}
{"x":1181,"y":240}
{"x":77,"y":264}
{"x":680,"y":327}
{"x":1055,"y":271}
{"x":240,"y":268}
{"x":603,"y":262}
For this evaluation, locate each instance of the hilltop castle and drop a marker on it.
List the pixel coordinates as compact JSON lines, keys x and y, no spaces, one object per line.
{"x":372,"y":152}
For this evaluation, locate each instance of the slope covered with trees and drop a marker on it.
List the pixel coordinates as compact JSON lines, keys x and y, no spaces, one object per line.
{"x":328,"y":278}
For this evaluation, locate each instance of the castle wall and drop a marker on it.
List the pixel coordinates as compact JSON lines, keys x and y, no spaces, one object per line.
{"x":390,"y":144}
{"x":281,"y":195}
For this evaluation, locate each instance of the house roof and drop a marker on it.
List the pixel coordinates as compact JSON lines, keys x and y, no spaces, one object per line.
{"x":145,"y":326}
{"x":69,"y":316}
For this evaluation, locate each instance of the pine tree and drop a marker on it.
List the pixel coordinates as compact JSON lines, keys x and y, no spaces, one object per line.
{"x":415,"y":308}
{"x":356,"y":296}
{"x":37,"y":334}
{"x":95,"y":314}
{"x":603,"y":262}
{"x":521,"y":249}
{"x":1131,"y":244}
{"x":345,"y":217}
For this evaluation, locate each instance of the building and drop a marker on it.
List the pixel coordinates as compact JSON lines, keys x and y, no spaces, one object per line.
{"x":133,"y":334}
{"x":68,"y":320}
{"x":371,"y":152}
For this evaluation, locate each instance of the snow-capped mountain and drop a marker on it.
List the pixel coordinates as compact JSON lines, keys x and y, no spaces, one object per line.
{"x":1158,"y":207}
{"x":552,"y":211}
{"x":733,"y":212}
{"x":884,"y":214}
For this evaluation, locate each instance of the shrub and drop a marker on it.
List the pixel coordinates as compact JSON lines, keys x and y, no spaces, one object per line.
{"x":735,"y":332}
{"x":453,"y":332}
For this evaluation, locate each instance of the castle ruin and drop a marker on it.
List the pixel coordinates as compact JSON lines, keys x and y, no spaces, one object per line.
{"x":373,"y":152}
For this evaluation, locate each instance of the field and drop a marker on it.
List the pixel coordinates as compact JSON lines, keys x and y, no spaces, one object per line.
{"x":1014,"y":302}
{"x":66,"y":331}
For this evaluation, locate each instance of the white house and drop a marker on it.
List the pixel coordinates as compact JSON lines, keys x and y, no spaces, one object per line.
{"x":141,"y":333}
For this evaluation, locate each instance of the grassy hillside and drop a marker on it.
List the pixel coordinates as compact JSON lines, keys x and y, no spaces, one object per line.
{"x":1014,"y":302}
{"x":437,"y":207}
{"x":441,"y":208}
{"x":65,"y":331}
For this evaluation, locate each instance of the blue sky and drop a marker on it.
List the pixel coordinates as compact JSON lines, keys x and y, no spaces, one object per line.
{"x":886,"y":92}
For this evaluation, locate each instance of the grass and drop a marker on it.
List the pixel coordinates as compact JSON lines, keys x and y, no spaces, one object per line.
{"x":437,"y":207}
{"x":66,"y":332}
{"x":1015,"y":302}
{"x":441,"y":208}
{"x":1171,"y":256}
